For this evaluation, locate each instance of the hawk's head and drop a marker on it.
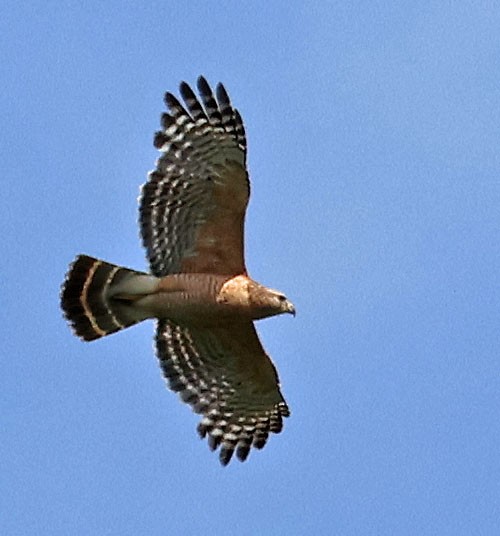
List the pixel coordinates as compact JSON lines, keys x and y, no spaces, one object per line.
{"x":253,"y":299}
{"x":269,"y":302}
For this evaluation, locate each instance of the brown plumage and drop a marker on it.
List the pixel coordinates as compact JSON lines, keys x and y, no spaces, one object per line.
{"x":192,"y":214}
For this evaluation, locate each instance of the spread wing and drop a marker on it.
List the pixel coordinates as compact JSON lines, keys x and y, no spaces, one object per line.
{"x":192,"y":207}
{"x":225,"y":375}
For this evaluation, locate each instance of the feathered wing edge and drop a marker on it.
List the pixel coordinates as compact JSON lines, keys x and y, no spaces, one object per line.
{"x":240,"y":405}
{"x":197,"y":135}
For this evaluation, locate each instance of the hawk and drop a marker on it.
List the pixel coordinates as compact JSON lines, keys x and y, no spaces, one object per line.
{"x":192,"y":211}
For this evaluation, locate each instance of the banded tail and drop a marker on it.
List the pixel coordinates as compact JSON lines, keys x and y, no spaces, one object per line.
{"x":98,"y":298}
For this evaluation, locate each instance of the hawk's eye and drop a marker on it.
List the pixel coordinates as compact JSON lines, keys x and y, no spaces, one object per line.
{"x":282,"y":298}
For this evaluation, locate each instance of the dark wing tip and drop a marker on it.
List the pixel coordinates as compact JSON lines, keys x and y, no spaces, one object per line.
{"x":173,"y":103}
{"x":166,"y":120}
{"x":222,"y":95}
{"x":243,"y":449}
{"x":167,"y":97}
{"x":160,"y":139}
{"x":203,"y":85}
{"x":186,"y":91}
{"x":214,"y":441}
{"x":225,"y":455}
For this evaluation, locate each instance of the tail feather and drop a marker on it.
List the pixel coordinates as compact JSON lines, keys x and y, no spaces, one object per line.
{"x":91,"y":300}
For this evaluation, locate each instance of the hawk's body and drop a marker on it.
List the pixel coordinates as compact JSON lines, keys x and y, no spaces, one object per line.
{"x":192,"y":217}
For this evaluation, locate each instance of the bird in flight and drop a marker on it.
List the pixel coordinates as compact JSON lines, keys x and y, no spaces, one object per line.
{"x":191,"y":215}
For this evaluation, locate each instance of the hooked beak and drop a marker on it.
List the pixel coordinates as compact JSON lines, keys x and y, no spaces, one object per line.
{"x":290,"y":308}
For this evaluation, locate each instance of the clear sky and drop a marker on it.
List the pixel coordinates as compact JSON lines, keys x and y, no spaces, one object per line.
{"x":374,"y":152}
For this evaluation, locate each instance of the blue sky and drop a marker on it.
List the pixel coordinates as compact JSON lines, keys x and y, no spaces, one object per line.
{"x":374,"y":152}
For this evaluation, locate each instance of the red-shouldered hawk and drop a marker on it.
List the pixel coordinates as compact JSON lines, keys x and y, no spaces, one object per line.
{"x":192,"y":212}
